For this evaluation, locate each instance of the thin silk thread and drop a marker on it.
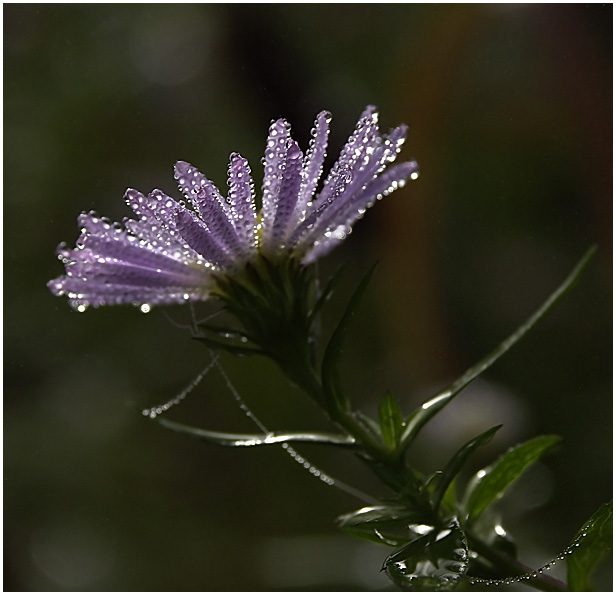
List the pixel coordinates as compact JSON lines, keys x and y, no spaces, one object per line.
{"x":534,"y":573}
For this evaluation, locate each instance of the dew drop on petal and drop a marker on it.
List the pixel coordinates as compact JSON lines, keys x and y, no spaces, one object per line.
{"x":145,"y":308}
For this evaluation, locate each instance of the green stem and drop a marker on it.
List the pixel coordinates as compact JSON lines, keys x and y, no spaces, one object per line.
{"x":387,"y":465}
{"x":228,"y":439}
{"x":306,"y":379}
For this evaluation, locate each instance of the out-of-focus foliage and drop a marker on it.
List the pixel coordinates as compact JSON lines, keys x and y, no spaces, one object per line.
{"x":509,"y":111}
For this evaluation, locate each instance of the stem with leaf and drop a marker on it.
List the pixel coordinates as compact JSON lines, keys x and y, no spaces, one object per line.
{"x":277,"y":305}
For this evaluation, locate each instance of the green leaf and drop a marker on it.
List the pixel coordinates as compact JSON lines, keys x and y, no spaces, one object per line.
{"x":391,"y":422}
{"x":228,"y":439}
{"x":337,"y":401}
{"x":437,"y":561}
{"x":491,"y":483}
{"x":456,"y":462}
{"x":590,"y":546}
{"x":375,"y":523}
{"x":429,"y":409}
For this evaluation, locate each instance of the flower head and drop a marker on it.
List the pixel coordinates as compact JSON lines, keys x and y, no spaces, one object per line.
{"x":171,"y":253}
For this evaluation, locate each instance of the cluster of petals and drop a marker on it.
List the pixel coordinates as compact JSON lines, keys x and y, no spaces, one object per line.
{"x":167,"y":254}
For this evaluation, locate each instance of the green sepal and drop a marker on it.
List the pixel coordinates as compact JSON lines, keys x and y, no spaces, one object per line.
{"x":456,"y":462}
{"x":491,"y":483}
{"x":245,"y":440}
{"x":233,"y":348}
{"x":589,"y":551}
{"x":429,"y":409}
{"x":225,"y":332}
{"x":437,"y":561}
{"x":390,"y":421}
{"x":272,"y":300}
{"x":327,"y":293}
{"x":336,"y":399}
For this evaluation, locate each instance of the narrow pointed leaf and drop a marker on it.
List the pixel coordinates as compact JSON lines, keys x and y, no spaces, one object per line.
{"x":434,"y":405}
{"x":228,"y":439}
{"x":592,"y":549}
{"x":391,"y":422}
{"x":455,"y":464}
{"x":437,"y":561}
{"x":449,"y":501}
{"x":491,"y":483}
{"x":333,"y":351}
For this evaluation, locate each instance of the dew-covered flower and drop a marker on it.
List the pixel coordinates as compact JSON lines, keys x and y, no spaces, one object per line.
{"x":172,"y":253}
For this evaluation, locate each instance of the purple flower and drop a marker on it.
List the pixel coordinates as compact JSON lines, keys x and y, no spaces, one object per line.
{"x":168,"y":253}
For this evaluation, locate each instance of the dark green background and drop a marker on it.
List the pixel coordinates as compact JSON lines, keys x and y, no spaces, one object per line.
{"x":509,"y":110}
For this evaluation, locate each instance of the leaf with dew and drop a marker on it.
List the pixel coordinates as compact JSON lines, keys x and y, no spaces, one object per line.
{"x":436,"y":561}
{"x":490,"y":484}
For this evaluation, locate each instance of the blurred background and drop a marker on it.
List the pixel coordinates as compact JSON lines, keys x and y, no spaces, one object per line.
{"x":509,"y":110}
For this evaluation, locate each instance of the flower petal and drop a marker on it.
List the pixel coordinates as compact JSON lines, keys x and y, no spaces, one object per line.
{"x":105,"y":239}
{"x":313,"y":164}
{"x":335,"y":225}
{"x":242,"y":202}
{"x":191,"y":181}
{"x":83,"y":294}
{"x":274,"y":164}
{"x":287,"y":198}
{"x":351,"y":198}
{"x":111,"y":266}
{"x":208,"y":205}
{"x":197,"y":236}
{"x":365,"y":138}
